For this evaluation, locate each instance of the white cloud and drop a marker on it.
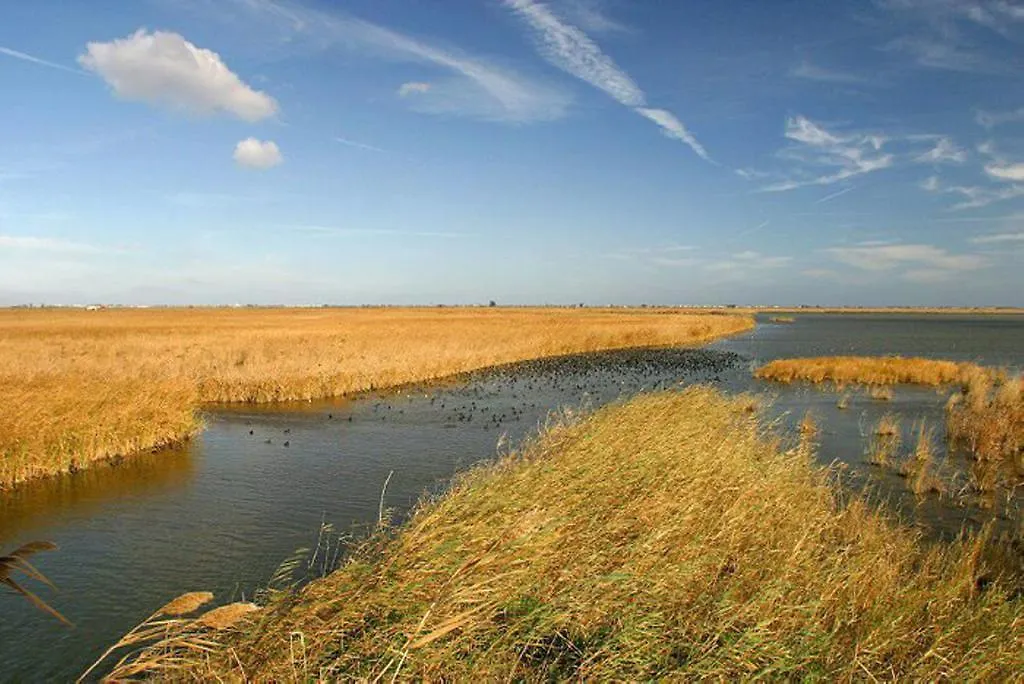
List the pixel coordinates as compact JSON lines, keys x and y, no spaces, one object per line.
{"x":673,"y":128}
{"x":998,"y":238}
{"x":945,"y":150}
{"x":812,"y":72}
{"x":572,"y":51}
{"x":982,"y":197}
{"x":256,"y":154}
{"x":163,"y":68}
{"x":847,"y":155}
{"x":36,"y":60}
{"x":1006,"y":172}
{"x":931,"y":184}
{"x":886,"y":257}
{"x":474,"y":87}
{"x":413,"y":87}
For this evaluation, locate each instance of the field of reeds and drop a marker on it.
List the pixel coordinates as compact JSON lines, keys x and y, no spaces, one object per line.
{"x":670,"y":537}
{"x":82,"y":386}
{"x":869,"y":370}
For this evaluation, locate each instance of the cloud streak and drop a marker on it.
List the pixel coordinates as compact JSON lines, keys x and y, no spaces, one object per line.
{"x":574,"y":52}
{"x":847,"y":155}
{"x":999,"y":238}
{"x":25,"y":57}
{"x":474,"y":87}
{"x":924,"y":261}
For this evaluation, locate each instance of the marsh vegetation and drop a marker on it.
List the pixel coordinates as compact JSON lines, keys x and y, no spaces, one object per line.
{"x":85,"y":386}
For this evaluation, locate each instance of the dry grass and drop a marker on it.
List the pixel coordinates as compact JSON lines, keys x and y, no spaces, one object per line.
{"x":987,"y":419}
{"x":920,"y":468}
{"x":669,"y":537}
{"x":84,"y":386}
{"x":880,"y":393}
{"x":885,"y":442}
{"x":868,"y":370}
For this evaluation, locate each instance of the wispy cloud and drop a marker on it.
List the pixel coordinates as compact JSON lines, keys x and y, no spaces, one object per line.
{"x":846,"y":155}
{"x":45,"y":244}
{"x":915,"y":261}
{"x":1006,"y":172}
{"x":945,"y":151}
{"x":940,"y":41}
{"x":38,"y":60}
{"x":998,"y":238}
{"x":591,"y":16}
{"x":573,"y":51}
{"x":413,"y":88}
{"x":746,"y":262}
{"x":937,"y":54}
{"x":991,"y":119}
{"x":359,"y":145}
{"x":472,"y":86}
{"x":837,"y":193}
{"x":813,"y":72}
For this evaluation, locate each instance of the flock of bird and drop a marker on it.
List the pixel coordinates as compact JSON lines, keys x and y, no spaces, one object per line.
{"x":497,"y":398}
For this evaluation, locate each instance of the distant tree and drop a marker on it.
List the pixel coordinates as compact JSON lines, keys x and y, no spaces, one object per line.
{"x":492,"y":303}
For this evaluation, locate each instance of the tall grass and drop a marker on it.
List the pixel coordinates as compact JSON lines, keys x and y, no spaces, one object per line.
{"x":868,"y":370}
{"x":84,"y":386}
{"x":987,"y":420}
{"x":670,"y":537}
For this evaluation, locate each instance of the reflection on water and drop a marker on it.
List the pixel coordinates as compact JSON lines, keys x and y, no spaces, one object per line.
{"x":22,"y":509}
{"x":221,"y":512}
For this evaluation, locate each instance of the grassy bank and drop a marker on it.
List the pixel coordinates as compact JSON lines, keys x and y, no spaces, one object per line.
{"x":82,"y":386}
{"x":667,"y":537}
{"x":869,"y":370}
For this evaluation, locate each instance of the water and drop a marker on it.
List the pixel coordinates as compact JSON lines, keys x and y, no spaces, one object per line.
{"x":223,"y":511}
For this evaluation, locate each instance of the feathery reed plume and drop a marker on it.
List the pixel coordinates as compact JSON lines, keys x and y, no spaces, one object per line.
{"x":153,"y":628}
{"x":227,"y":616}
{"x":17,"y":561}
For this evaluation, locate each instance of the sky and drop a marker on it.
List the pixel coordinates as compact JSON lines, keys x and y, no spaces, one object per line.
{"x":566,"y":151}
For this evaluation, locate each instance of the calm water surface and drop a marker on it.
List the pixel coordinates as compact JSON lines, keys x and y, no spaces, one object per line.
{"x":222,"y":512}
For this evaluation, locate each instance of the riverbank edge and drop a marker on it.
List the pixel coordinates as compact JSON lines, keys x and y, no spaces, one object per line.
{"x":745,"y":324}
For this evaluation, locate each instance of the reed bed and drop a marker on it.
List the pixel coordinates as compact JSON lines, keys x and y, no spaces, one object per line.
{"x":869,"y":370}
{"x":987,"y":420}
{"x":669,"y":537}
{"x":83,"y":386}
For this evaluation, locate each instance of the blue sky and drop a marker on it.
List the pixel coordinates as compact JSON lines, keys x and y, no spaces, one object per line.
{"x":598,"y":151}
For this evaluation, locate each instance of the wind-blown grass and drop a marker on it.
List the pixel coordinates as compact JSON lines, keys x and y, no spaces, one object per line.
{"x":667,"y":537}
{"x":84,"y":386}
